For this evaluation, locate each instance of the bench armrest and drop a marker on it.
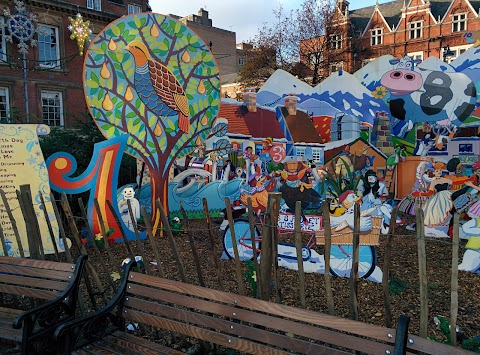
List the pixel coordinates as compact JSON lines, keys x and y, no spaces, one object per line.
{"x":93,"y":327}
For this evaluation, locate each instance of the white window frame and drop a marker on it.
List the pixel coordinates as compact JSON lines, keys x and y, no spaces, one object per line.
{"x":134,"y":9}
{"x":337,"y":66}
{"x":416,"y":55}
{"x":415,"y":29}
{"x":53,"y":63}
{"x":316,"y":154}
{"x":4,"y":92}
{"x":459,"y":22}
{"x":336,"y":41}
{"x":458,"y":50}
{"x":376,"y":36}
{"x":241,"y":60}
{"x":3,"y":42}
{"x":47,"y":94}
{"x":300,"y":151}
{"x":94,"y":5}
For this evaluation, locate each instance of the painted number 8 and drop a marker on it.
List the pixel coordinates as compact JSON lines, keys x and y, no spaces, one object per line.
{"x":437,"y":93}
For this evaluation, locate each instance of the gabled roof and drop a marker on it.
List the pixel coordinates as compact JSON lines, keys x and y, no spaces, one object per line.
{"x":392,"y":12}
{"x":301,"y":127}
{"x":262,"y":124}
{"x":236,"y":122}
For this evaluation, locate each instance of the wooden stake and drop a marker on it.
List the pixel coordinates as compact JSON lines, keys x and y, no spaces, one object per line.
{"x":298,"y":247}
{"x":95,"y":247}
{"x":104,"y":233}
{"x":386,"y":268}
{"x":4,"y":244}
{"x":148,"y":227}
{"x":63,"y":235}
{"x":422,"y":272}
{"x":267,"y":254}
{"x":33,"y":230}
{"x":192,"y":246}
{"x":49,"y":225}
{"x":327,"y":252}
{"x":13,"y":222}
{"x":173,"y":245}
{"x":120,"y":227}
{"x":454,"y":282}
{"x":137,"y":237}
{"x":254,"y":247}
{"x":354,"y":271}
{"x":274,"y":198}
{"x":238,"y":267}
{"x":212,"y":244}
{"x":71,"y":222}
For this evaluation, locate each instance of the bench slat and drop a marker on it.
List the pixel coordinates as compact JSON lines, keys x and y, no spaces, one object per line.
{"x":39,"y":264}
{"x":258,"y":334}
{"x":125,"y":344}
{"x":33,"y":283}
{"x":16,"y":290}
{"x":204,"y":334}
{"x":324,"y":320}
{"x":33,"y":272}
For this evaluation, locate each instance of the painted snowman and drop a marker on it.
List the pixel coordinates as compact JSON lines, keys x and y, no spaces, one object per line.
{"x":128,"y":193}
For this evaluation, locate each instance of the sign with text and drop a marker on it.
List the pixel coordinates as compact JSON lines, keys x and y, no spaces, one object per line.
{"x":22,"y":163}
{"x":286,"y":221}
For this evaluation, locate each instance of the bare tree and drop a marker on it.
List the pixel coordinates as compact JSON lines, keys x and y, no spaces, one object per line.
{"x":299,"y":40}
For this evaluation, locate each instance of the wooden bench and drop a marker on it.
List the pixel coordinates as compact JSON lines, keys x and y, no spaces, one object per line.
{"x":36,"y":296}
{"x":236,"y":322}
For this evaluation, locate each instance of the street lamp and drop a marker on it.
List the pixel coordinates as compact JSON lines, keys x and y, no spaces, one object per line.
{"x":447,"y":53}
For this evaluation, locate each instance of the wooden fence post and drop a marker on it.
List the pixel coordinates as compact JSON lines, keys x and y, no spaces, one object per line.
{"x":173,"y":245}
{"x":422,"y":272}
{"x":192,"y":246}
{"x":298,"y":247}
{"x":49,"y":224}
{"x":33,"y":230}
{"x":454,"y":281}
{"x":274,"y":199}
{"x":63,"y":235}
{"x":137,"y":238}
{"x":122,"y":232}
{"x":328,"y":247}
{"x":212,"y":244}
{"x":254,"y":247}
{"x":13,"y":222}
{"x":238,"y":267}
{"x":266,"y":256}
{"x":354,"y":271}
{"x":4,"y":244}
{"x":386,"y":269}
{"x":148,"y":227}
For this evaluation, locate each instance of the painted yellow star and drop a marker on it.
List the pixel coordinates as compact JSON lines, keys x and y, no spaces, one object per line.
{"x":98,"y":236}
{"x":80,"y":31}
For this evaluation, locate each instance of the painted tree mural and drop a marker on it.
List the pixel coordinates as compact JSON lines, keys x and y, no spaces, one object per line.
{"x":149,"y":76}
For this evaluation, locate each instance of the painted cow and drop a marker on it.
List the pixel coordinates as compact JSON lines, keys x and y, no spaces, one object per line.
{"x":425,"y":95}
{"x":403,"y":79}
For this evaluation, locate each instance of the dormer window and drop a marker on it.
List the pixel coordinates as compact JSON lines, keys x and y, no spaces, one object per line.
{"x":415,"y":29}
{"x":459,"y":22}
{"x":376,"y":36}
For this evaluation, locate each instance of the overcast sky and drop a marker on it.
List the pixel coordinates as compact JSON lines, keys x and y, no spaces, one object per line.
{"x":244,"y":17}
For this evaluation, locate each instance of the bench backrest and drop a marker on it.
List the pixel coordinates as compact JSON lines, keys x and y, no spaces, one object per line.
{"x":38,"y":279}
{"x":244,"y":323}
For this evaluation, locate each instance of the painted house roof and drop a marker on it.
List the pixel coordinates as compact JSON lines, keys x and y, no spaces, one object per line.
{"x":332,"y":149}
{"x":263,"y":123}
{"x":323,"y":126}
{"x":301,"y":127}
{"x":236,"y":122}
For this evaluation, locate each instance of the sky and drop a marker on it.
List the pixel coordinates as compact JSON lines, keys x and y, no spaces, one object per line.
{"x":244,"y":17}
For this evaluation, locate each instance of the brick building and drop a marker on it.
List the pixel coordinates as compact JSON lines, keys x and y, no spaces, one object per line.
{"x":418,"y":28}
{"x":53,"y":88}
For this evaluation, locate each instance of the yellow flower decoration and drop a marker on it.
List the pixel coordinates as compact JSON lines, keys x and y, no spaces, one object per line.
{"x":115,"y":276}
{"x":80,"y":31}
{"x":380,"y":92}
{"x":98,"y":236}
